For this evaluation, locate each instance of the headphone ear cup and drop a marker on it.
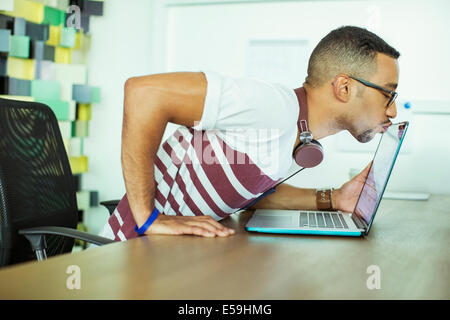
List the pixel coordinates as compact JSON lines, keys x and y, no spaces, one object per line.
{"x":309,"y":155}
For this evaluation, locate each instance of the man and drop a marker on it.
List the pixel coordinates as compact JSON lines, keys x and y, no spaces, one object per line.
{"x":194,"y":180}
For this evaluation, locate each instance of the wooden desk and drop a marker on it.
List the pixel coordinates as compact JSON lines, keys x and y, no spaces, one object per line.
{"x":409,"y":242}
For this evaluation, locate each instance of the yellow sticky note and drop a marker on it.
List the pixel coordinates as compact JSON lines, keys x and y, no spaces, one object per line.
{"x":63,"y":55}
{"x":79,"y":164}
{"x":20,"y":68}
{"x":54,"y":36}
{"x":78,"y":40}
{"x":29,"y":10}
{"x":84,"y":111}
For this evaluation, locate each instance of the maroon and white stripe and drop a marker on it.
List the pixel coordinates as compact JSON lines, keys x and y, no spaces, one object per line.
{"x":186,"y":184}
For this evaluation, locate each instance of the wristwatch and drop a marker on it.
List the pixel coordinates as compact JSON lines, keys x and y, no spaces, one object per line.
{"x":323,"y":199}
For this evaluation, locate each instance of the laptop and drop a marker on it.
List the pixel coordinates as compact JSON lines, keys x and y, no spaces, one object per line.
{"x":337,"y":223}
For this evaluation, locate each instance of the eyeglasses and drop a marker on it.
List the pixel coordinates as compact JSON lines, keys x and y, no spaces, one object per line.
{"x":392,"y":94}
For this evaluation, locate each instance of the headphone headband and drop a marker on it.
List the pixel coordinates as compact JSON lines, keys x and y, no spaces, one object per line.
{"x":309,"y":152}
{"x":303,"y":115}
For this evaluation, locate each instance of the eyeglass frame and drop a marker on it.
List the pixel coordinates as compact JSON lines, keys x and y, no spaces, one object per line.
{"x":393,"y":94}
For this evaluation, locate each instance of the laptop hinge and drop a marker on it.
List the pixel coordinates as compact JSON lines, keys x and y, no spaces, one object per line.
{"x":360,"y":223}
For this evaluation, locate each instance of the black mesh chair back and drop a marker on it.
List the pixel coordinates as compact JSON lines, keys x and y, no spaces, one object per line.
{"x":36,"y":186}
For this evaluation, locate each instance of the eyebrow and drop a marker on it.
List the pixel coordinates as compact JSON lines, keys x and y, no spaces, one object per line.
{"x":391,"y":85}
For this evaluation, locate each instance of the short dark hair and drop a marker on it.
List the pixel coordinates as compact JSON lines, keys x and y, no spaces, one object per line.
{"x":347,"y":49}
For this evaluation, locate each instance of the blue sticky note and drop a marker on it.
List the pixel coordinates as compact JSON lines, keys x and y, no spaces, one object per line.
{"x":4,"y":40}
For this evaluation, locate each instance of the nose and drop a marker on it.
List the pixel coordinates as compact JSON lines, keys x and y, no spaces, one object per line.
{"x":391,"y":111}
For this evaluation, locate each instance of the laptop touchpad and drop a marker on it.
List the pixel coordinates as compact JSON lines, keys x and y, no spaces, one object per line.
{"x":277,"y":222}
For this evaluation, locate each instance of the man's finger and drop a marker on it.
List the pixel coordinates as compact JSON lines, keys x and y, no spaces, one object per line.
{"x":198,"y":231}
{"x":219,"y":230}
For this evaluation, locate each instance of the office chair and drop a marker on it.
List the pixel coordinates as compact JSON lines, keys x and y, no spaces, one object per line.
{"x":37,"y":195}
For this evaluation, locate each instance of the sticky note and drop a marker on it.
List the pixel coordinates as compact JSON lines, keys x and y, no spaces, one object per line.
{"x":54,"y":35}
{"x":68,"y":37}
{"x":45,"y":89}
{"x":19,"y":87}
{"x":19,"y":26}
{"x":29,"y":10}
{"x":94,"y":198}
{"x":3,"y":65}
{"x":75,"y":73}
{"x":83,"y":199}
{"x":93,"y":8}
{"x":19,"y":46}
{"x":63,"y":55}
{"x":53,"y":16}
{"x":80,"y":128}
{"x":21,"y":68}
{"x":95,"y":94}
{"x":84,"y":111}
{"x":62,"y":109}
{"x":81,"y":93}
{"x":6,"y":22}
{"x":78,"y":40}
{"x":66,"y":90}
{"x":44,"y":70}
{"x":84,"y":21}
{"x":76,"y":147}
{"x":38,"y":32}
{"x":41,"y":51}
{"x":7,"y":5}
{"x":5,"y":34}
{"x":79,"y":164}
{"x":77,"y":181}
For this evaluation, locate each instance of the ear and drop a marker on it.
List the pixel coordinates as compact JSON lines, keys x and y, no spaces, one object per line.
{"x":341,"y":87}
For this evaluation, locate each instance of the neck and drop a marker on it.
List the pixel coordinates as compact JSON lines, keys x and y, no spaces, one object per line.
{"x":322,"y":118}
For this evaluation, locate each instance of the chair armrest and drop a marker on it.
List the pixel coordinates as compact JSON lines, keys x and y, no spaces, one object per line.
{"x":67,"y":232}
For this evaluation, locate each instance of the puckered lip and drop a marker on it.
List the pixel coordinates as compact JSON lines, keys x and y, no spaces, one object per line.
{"x":386,"y":127}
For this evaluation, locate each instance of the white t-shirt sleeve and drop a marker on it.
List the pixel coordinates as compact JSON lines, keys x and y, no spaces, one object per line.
{"x":242,"y":103}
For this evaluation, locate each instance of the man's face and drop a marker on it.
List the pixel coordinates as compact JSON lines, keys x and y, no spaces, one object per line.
{"x":371,"y":115}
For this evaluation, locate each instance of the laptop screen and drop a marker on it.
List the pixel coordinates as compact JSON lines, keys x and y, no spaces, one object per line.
{"x":380,"y":171}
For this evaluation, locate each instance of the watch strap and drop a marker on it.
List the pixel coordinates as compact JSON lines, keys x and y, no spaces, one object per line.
{"x":323,"y":199}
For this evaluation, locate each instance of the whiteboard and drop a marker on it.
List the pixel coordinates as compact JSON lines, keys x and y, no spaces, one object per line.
{"x":278,"y":61}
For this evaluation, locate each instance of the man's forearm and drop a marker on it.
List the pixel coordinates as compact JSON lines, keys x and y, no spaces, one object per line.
{"x":142,"y":131}
{"x":289,"y":198}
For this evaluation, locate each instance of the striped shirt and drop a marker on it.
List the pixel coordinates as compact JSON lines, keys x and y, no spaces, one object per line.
{"x":241,"y":147}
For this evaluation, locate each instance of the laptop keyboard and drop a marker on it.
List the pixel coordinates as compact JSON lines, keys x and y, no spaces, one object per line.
{"x":322,"y":220}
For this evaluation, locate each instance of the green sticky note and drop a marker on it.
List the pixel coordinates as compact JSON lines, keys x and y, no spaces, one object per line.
{"x":95,"y":94}
{"x":53,"y":16}
{"x":80,"y":129}
{"x":46,"y":89}
{"x":19,"y":46}
{"x":61,"y":109}
{"x":68,"y":37}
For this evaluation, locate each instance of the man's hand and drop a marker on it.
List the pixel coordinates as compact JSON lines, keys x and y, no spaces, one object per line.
{"x":347,"y":195}
{"x":204,"y":226}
